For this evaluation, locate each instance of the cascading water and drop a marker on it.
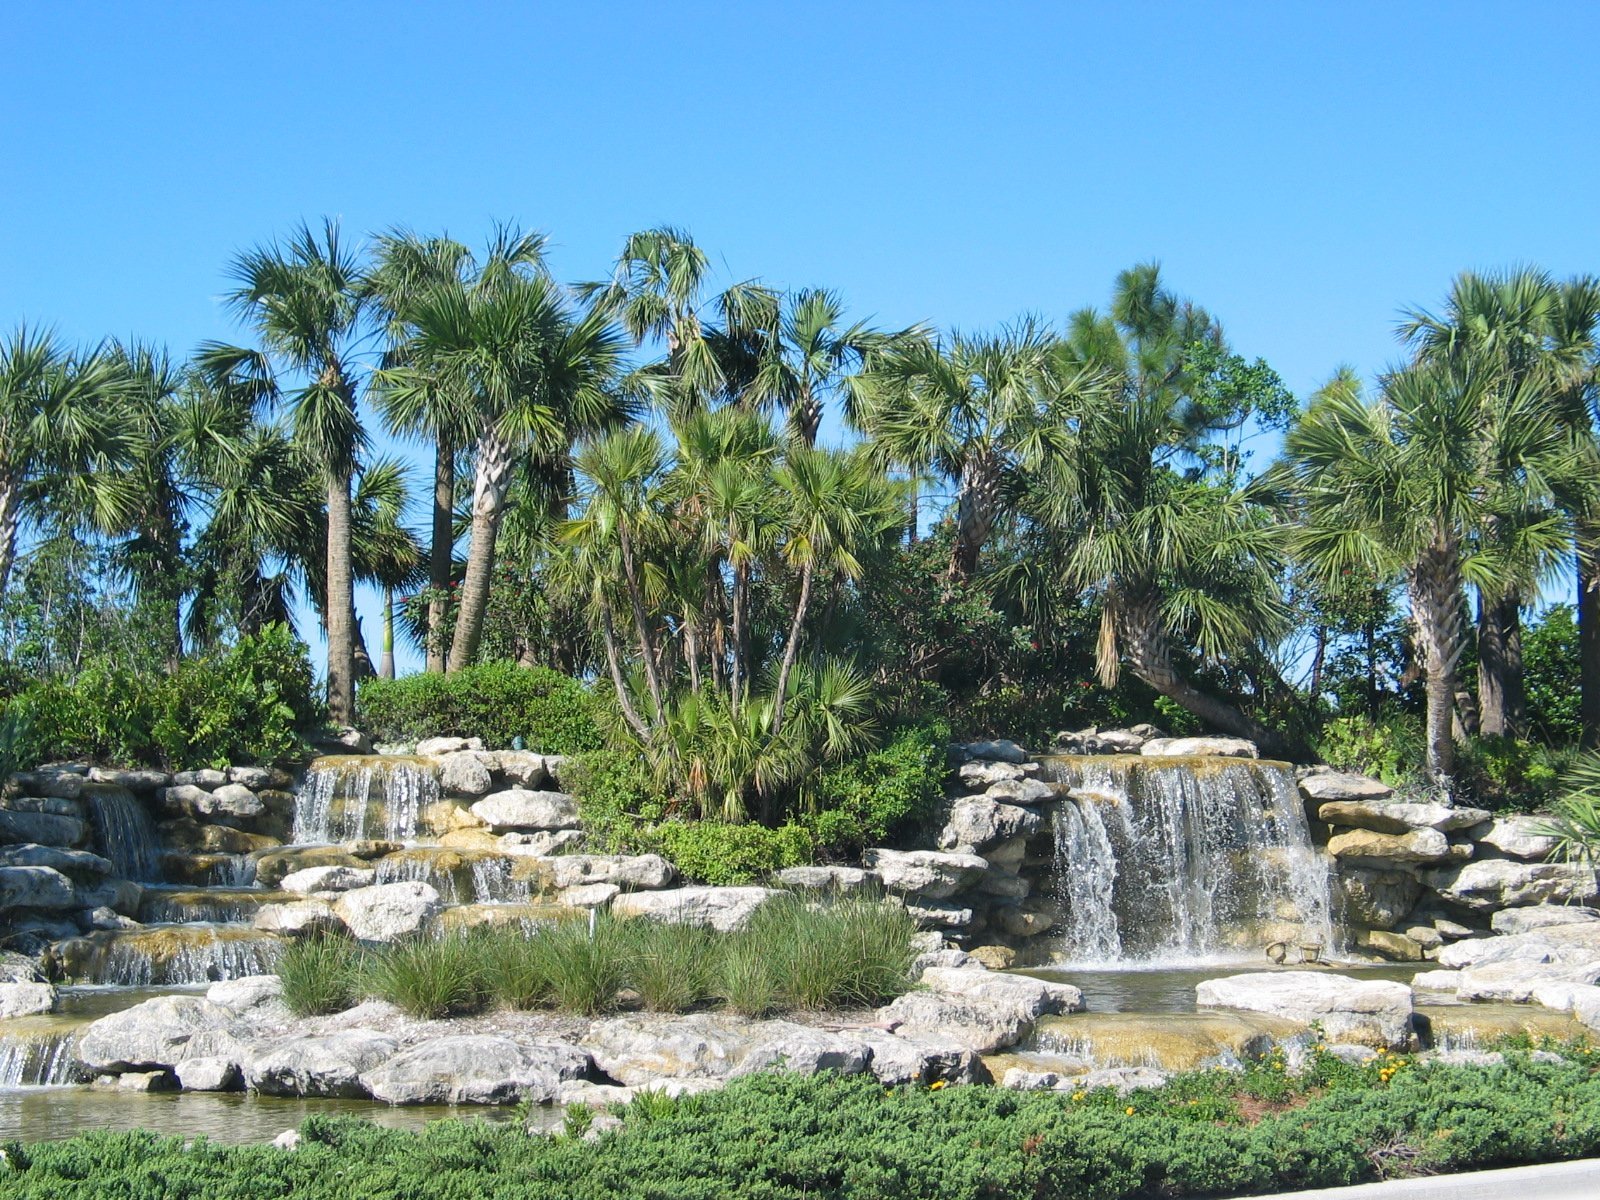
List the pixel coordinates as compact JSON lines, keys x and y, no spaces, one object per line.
{"x":42,"y":1058}
{"x":164,"y":955}
{"x":459,"y":878}
{"x":123,"y":832}
{"x":1172,"y":860}
{"x":346,"y":798}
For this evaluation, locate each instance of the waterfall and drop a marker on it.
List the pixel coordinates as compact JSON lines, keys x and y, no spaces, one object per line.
{"x":123,"y":832}
{"x":1171,"y":860}
{"x":158,"y":955}
{"x":351,"y":797}
{"x":38,"y":1059}
{"x":459,"y":877}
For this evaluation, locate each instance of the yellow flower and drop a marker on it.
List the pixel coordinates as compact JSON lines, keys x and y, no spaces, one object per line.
{"x":1129,"y":1110}
{"x":936,"y":1085}
{"x":1192,"y":1103}
{"x":1077,"y":1096}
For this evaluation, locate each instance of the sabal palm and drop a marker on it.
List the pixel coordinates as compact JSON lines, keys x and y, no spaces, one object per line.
{"x":306,"y":300}
{"x":63,"y":437}
{"x":1403,"y":486}
{"x":385,"y":552}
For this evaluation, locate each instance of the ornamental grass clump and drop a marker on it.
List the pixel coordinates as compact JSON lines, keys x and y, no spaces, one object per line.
{"x":836,"y":954}
{"x":585,"y":966}
{"x":515,"y":970}
{"x":432,"y":977}
{"x":671,"y":967}
{"x":746,"y":978}
{"x":321,"y":974}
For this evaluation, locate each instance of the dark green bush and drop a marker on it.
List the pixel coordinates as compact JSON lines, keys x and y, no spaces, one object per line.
{"x":780,"y":1136}
{"x":497,"y":701}
{"x":861,"y":802}
{"x":617,"y":798}
{"x":725,"y":855}
{"x":253,"y":702}
{"x":1390,"y":747}
{"x":1511,"y":775}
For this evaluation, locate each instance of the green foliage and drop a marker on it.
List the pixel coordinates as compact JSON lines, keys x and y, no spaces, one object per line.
{"x":496,"y":701}
{"x":1552,"y":678}
{"x":781,"y":1136}
{"x":672,"y":967}
{"x":617,"y":797}
{"x":432,"y":978}
{"x":1575,"y":817}
{"x":1389,"y":747}
{"x":846,"y":953}
{"x":860,"y":802}
{"x":252,"y":702}
{"x":585,"y":970}
{"x":748,"y":978}
{"x":1510,"y":775}
{"x":722,"y":855}
{"x":321,"y":975}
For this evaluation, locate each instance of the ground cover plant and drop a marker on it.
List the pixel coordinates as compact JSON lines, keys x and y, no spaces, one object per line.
{"x":840,"y":954}
{"x":779,"y":1136}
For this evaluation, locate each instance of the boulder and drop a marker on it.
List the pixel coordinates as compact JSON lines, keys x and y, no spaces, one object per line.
{"x":1036,"y":997}
{"x":345,"y":740}
{"x":49,"y":781}
{"x":189,"y":836}
{"x":1375,"y":897}
{"x":25,"y":999}
{"x":1123,"y":1079}
{"x":328,"y":1065}
{"x":590,"y":895}
{"x":999,"y":750}
{"x":1205,"y":747}
{"x":522,"y":768}
{"x":978,"y":775}
{"x":246,"y":993}
{"x":476,"y":1069}
{"x":258,"y":778}
{"x":200,"y":781}
{"x":150,"y":1036}
{"x":327,"y":879}
{"x":1367,"y":1011}
{"x":1396,"y":947}
{"x":234,"y":800}
{"x":1338,"y":785}
{"x":464,"y":774}
{"x":805,"y":1051}
{"x":387,"y":912}
{"x":105,"y":917}
{"x":298,"y":918}
{"x":35,"y":887}
{"x":1438,"y":982}
{"x":825,"y":879}
{"x":519,"y":808}
{"x":141,"y":780}
{"x":1021,"y":791}
{"x":45,"y":829}
{"x":1501,"y":883}
{"x":438,"y":747}
{"x":980,"y":1010}
{"x":939,"y":914}
{"x":925,"y":873}
{"x":137,"y":1081}
{"x":212,"y":1073}
{"x":1515,"y":982}
{"x":643,"y":1051}
{"x":1418,"y":846}
{"x":1389,"y":817}
{"x":1542,"y":916}
{"x":68,"y":862}
{"x":724,"y":909}
{"x":633,"y":873}
{"x":276,"y":865}
{"x":1520,"y":837}
{"x":897,"y":1060}
{"x":53,"y":805}
{"x":978,"y":823}
{"x":1024,"y":920}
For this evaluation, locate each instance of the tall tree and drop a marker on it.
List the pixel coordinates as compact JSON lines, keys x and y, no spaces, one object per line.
{"x":306,"y":299}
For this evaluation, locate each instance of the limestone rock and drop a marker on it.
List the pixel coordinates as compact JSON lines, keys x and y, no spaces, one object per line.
{"x":980,"y":1010}
{"x":1000,"y":750}
{"x":209,"y":1074}
{"x":519,"y":808}
{"x":1396,"y":947}
{"x":724,"y":909}
{"x":1209,"y":747}
{"x":634,"y":873}
{"x":68,"y":862}
{"x":25,"y":999}
{"x":142,"y":780}
{"x":1514,"y":982}
{"x":1370,"y":1012}
{"x":149,"y":1036}
{"x":45,"y":829}
{"x":1020,"y":791}
{"x":1123,"y":1079}
{"x":35,"y":887}
{"x":275,"y":865}
{"x":1418,"y":846}
{"x":978,"y":823}
{"x":464,"y":774}
{"x":476,"y":1069}
{"x":940,"y":914}
{"x":825,"y":879}
{"x":522,"y":768}
{"x":1338,"y":785}
{"x":590,"y":895}
{"x":49,"y":781}
{"x":297,"y":918}
{"x":234,"y":800}
{"x":258,"y":779}
{"x":387,"y":912}
{"x":1401,"y":818}
{"x":1375,"y":897}
{"x":1440,"y":982}
{"x":327,"y":879}
{"x":1520,"y":837}
{"x":898,"y":1060}
{"x":329,"y":1065}
{"x":246,"y":993}
{"x":438,"y":747}
{"x":1501,"y":883}
{"x":925,"y":873}
{"x":1541,"y":916}
{"x":978,"y":775}
{"x":200,"y":781}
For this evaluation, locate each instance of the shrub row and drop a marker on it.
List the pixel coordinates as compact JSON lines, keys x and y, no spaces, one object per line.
{"x":251,"y":703}
{"x":851,"y":952}
{"x":499,"y":702}
{"x":781,"y":1137}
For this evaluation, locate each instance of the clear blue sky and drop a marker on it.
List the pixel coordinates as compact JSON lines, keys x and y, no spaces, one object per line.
{"x":1304,"y":170}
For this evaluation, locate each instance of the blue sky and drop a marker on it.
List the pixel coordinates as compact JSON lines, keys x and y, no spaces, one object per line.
{"x":1305,"y":171}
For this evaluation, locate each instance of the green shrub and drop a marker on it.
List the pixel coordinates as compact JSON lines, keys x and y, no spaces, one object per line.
{"x":320,"y":975}
{"x":1510,"y":775}
{"x":1390,"y":747}
{"x":496,"y":701}
{"x":850,"y":952}
{"x":671,"y":967}
{"x":861,"y":802}
{"x":617,"y":798}
{"x":726,"y":855}
{"x":585,"y":969}
{"x":432,"y":977}
{"x":514,"y":970}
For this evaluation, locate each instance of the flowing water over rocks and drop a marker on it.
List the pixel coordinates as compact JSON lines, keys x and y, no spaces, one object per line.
{"x":350,"y":797}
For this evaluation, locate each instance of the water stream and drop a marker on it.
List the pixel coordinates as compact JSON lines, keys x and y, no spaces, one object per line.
{"x":351,"y":797}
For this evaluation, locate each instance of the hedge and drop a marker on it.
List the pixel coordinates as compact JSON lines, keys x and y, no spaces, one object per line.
{"x":499,"y":702}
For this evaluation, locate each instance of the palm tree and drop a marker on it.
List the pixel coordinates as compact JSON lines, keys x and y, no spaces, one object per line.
{"x":1404,"y":486}
{"x":982,"y":412}
{"x":306,"y":300}
{"x":386,"y":553}
{"x":63,"y":438}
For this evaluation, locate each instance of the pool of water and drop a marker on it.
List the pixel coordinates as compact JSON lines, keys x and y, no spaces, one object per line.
{"x":48,"y":1114}
{"x":1166,"y":990}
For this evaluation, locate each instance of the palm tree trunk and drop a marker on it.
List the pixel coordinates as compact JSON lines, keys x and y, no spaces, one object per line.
{"x":340,"y":603}
{"x":444,"y":500}
{"x":1500,"y":690}
{"x":1589,"y":643}
{"x":791,"y":648}
{"x":976,"y":504}
{"x":641,"y":627}
{"x":608,"y":630}
{"x":386,"y":662}
{"x":488,"y":503}
{"x":1318,"y":660}
{"x":1435,"y":592}
{"x":10,"y":518}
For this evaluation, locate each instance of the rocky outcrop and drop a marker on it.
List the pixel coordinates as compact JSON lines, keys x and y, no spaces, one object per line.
{"x":1417,"y":846}
{"x":521,"y":809}
{"x":150,"y":1036}
{"x":476,"y":1069}
{"x":388,"y":912}
{"x":982,"y":1011}
{"x":976,"y":824}
{"x":1369,"y":1012}
{"x":927,"y":874}
{"x":1397,"y":817}
{"x":1500,"y":883}
{"x":1208,"y":747}
{"x":725,"y":909}
{"x":327,"y":1065}
{"x":25,"y":999}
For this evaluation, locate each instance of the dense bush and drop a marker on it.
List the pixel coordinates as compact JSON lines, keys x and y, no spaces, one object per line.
{"x":725,"y":855}
{"x":496,"y":701}
{"x":1509,"y":774}
{"x":1553,"y":680}
{"x":1390,"y":747}
{"x":780,"y":1136}
{"x":861,"y":802}
{"x":250,"y":703}
{"x":617,"y":797}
